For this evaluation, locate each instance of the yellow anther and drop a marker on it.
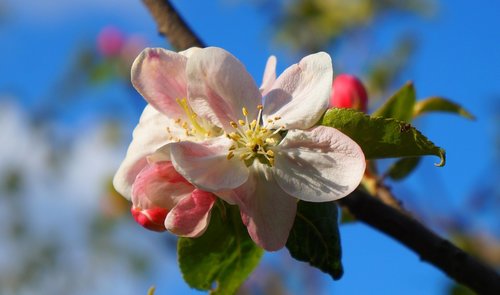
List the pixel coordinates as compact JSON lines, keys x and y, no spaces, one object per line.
{"x":234,"y":136}
{"x":232,"y":148}
{"x":269,"y":120}
{"x":244,"y":111}
{"x":277,"y":118}
{"x":271,"y":161}
{"x":242,"y":123}
{"x":230,"y":155}
{"x":233,"y":124}
{"x":260,"y":107}
{"x":270,"y":153}
{"x":270,"y":140}
{"x":253,"y":123}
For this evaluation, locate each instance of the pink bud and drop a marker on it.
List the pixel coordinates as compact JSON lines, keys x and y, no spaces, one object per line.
{"x":348,"y":92}
{"x":156,"y":190}
{"x":152,"y":219}
{"x":110,"y":41}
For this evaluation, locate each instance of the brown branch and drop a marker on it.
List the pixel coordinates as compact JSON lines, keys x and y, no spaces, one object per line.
{"x":431,"y":248}
{"x":171,"y":25}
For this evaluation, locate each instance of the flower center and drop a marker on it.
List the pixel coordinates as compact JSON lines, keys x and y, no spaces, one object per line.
{"x":252,"y":140}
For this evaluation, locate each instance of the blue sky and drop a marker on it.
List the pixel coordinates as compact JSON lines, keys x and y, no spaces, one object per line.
{"x":458,"y":57}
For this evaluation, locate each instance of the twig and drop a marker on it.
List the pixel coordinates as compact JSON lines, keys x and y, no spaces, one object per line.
{"x":430,"y":247}
{"x":457,"y":264}
{"x":171,"y":25}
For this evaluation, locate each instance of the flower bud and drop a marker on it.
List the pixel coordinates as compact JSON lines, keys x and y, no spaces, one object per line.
{"x":152,"y":219}
{"x":110,"y":41}
{"x":156,"y":190}
{"x":348,"y":92}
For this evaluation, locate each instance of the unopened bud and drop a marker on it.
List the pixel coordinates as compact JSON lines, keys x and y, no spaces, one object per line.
{"x":348,"y":92}
{"x":152,"y":219}
{"x":110,"y":41}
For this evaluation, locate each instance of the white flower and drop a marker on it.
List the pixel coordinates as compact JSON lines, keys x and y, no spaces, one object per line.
{"x":254,"y":148}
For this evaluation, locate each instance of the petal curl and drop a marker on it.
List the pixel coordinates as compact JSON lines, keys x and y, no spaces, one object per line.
{"x":205,"y":164}
{"x":149,"y":135}
{"x":159,"y":76}
{"x":159,"y":185}
{"x":266,"y":210}
{"x":269,"y":75}
{"x":318,"y":165}
{"x":191,"y":216}
{"x":219,"y":87}
{"x":301,"y":93}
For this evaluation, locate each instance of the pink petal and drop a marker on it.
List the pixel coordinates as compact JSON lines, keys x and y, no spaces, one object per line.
{"x":269,"y":75}
{"x":219,"y":87}
{"x":301,"y":94}
{"x":159,"y":185}
{"x":190,"y":217}
{"x":266,"y":210}
{"x":159,"y":76}
{"x":149,"y":135}
{"x":318,"y":165}
{"x":205,"y":164}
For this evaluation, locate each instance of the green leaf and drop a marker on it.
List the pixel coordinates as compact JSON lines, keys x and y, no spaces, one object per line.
{"x":402,"y":168}
{"x":224,"y":254}
{"x":315,"y":237}
{"x":382,"y":137}
{"x":400,"y":105}
{"x":439,"y":104}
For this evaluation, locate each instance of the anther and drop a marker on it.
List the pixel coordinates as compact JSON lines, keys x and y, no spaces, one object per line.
{"x":242,"y":123}
{"x":244,"y":111}
{"x":233,"y":124}
{"x":230,"y":155}
{"x":260,"y":107}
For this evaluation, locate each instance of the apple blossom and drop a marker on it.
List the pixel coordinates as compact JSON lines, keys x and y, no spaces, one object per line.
{"x":257,"y":148}
{"x":348,"y":92}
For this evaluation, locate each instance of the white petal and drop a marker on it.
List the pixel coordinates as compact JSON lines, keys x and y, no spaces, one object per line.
{"x":318,"y":165}
{"x":149,"y":135}
{"x":300,"y":95}
{"x":219,"y":87}
{"x":266,"y":210}
{"x":205,"y":164}
{"x":188,"y":52}
{"x":269,"y":75}
{"x":159,"y":76}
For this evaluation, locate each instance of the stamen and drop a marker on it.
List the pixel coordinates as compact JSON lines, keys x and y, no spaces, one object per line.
{"x":191,"y":115}
{"x":254,"y":139}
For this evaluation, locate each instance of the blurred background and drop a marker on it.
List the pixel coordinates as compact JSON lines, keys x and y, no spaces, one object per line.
{"x":67,"y":110}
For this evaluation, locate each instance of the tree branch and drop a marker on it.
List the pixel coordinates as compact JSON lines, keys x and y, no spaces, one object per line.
{"x":431,"y":248}
{"x":456,"y":263}
{"x":171,"y":25}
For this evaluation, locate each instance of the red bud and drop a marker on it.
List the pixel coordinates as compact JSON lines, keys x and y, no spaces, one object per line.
{"x":348,"y":92}
{"x":152,"y":219}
